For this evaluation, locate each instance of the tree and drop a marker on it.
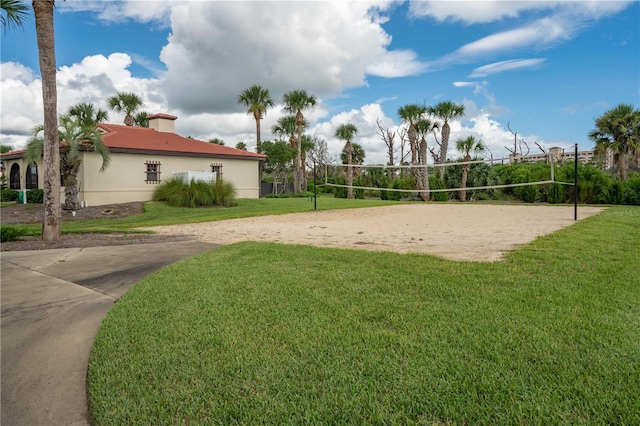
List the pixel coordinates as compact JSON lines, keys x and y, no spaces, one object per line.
{"x":127,"y":103}
{"x":140,"y":119}
{"x":411,"y":114}
{"x":16,"y":14}
{"x":287,"y":126}
{"x":295,"y":102}
{"x":424,"y":127}
{"x":346,"y":132}
{"x":216,"y":141}
{"x":5,"y":148}
{"x":241,"y":145}
{"x":256,"y":99}
{"x":279,"y":159}
{"x":43,"y":11}
{"x":445,"y":111}
{"x":466,"y":146}
{"x":87,"y":115}
{"x":76,"y":137}
{"x":618,"y":130}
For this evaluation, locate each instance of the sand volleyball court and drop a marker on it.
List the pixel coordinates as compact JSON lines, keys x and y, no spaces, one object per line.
{"x":452,"y":231}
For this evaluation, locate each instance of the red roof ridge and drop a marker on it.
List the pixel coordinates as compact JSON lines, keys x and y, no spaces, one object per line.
{"x":162,"y":115}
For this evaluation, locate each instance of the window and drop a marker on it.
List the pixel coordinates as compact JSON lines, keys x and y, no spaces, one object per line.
{"x":31,"y":177}
{"x":153,"y":172}
{"x":14,"y":177}
{"x":217,"y":169}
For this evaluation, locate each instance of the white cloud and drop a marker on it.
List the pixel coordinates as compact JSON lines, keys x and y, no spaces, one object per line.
{"x":483,"y":11}
{"x":510,"y":65}
{"x":217,"y":49}
{"x":115,"y":11}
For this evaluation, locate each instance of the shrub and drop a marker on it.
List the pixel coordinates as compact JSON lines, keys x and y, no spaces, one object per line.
{"x":340,"y":192}
{"x":292,"y":195}
{"x":556,"y":194}
{"x":437,"y":183}
{"x":631,"y":190}
{"x":35,"y":196}
{"x":11,"y":233}
{"x":8,"y":195}
{"x":175,"y":192}
{"x":528,"y":193}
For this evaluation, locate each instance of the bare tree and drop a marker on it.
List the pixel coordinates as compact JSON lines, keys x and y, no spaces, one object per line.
{"x":388,"y":136}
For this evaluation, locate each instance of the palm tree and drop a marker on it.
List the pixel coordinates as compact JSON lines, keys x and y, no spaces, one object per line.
{"x":125,"y":102}
{"x":16,"y":14}
{"x":410,"y":114}
{"x":140,"y":119}
{"x":216,"y":141}
{"x":618,"y":130}
{"x":43,"y":11}
{"x":287,"y":126}
{"x":466,"y":146}
{"x":346,"y":132}
{"x":75,"y":136}
{"x":295,"y":102}
{"x":256,"y":99}
{"x":445,"y":111}
{"x":241,"y":145}
{"x":87,"y":115}
{"x":423,"y":127}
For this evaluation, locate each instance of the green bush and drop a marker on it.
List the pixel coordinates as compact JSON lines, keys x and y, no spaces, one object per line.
{"x":8,"y":195}
{"x":556,"y":194}
{"x":340,"y":192}
{"x":437,"y":183}
{"x":175,"y":192}
{"x":35,"y":196}
{"x":631,"y":190}
{"x":528,"y":193}
{"x":11,"y":233}
{"x":292,"y":195}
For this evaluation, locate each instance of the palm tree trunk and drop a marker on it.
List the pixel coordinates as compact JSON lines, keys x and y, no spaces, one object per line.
{"x":297,"y":180}
{"x":463,"y":183}
{"x":128,"y":120}
{"x":444,"y":147}
{"x":70,"y":177}
{"x":622,"y":165}
{"x":349,"y":151}
{"x":424,"y":174}
{"x":43,"y":11}
{"x":258,"y":134}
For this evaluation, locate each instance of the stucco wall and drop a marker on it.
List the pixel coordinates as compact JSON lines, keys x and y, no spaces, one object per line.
{"x":124,"y":180}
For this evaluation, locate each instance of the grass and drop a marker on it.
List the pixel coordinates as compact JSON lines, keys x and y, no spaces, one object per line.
{"x":157,"y":214}
{"x":257,"y":333}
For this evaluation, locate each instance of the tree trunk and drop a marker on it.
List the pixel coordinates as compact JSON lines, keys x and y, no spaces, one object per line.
{"x":297,"y":179}
{"x":257,"y":117}
{"x":424,"y":173}
{"x":348,"y":149}
{"x":128,"y":120}
{"x":622,"y":165}
{"x":463,"y":182}
{"x":43,"y":11}
{"x":70,"y":178}
{"x":444,"y":146}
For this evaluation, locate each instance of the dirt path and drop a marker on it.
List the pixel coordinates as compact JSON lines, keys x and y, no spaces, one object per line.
{"x":453,"y":231}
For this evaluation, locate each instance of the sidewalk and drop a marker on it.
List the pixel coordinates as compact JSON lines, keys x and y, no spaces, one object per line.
{"x":52,"y":303}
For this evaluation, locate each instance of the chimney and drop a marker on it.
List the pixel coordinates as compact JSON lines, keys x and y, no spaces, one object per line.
{"x":162,"y":122}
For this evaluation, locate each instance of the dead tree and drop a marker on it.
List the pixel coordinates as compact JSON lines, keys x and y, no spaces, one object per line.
{"x":388,"y":136}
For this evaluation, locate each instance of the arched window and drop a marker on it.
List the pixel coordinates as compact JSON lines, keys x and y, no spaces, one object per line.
{"x":14,"y":176}
{"x":31,"y":177}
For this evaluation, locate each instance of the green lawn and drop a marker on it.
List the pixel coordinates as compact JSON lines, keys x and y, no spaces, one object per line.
{"x":256,"y":333}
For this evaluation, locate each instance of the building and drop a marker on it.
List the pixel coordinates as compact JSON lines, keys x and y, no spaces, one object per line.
{"x":562,"y":155}
{"x":141,"y":158}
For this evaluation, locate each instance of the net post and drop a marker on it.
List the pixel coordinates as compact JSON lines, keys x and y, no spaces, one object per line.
{"x":575,"y":182}
{"x":315,"y":187}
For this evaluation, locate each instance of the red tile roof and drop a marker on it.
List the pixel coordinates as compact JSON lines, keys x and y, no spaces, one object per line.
{"x":119,"y":138}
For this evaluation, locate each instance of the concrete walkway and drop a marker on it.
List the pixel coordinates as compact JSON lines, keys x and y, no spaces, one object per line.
{"x":52,"y":304}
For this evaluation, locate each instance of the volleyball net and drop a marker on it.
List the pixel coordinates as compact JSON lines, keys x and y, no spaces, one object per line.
{"x":468,"y":177}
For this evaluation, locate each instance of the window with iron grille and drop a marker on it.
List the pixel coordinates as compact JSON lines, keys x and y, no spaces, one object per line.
{"x":217,"y":169}
{"x":153,"y":172}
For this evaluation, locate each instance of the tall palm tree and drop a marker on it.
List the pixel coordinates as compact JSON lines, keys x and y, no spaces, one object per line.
{"x":75,"y":136}
{"x":295,"y":102}
{"x":256,"y":99}
{"x":16,"y":14}
{"x":141,"y":120}
{"x":125,"y":102}
{"x":410,"y":114}
{"x":87,"y":114}
{"x":445,"y":111}
{"x":466,"y":146}
{"x":424,"y":127}
{"x":618,"y":130}
{"x":43,"y":11}
{"x":287,"y":126}
{"x":346,"y":132}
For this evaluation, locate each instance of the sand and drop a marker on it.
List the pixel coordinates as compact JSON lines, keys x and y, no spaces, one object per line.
{"x":465,"y":232}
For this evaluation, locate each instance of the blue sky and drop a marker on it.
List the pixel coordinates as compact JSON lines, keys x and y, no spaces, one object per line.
{"x":547,"y":68}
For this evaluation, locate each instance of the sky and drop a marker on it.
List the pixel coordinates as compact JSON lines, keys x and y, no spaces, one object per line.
{"x":546,"y":69}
